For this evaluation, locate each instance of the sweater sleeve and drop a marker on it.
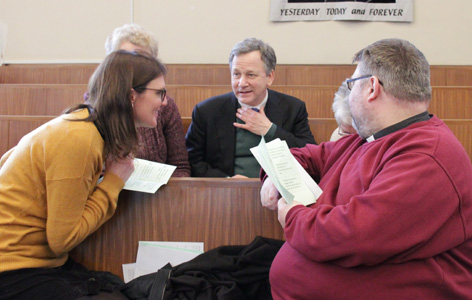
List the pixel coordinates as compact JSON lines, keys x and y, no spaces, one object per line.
{"x":76,"y":205}
{"x":5,"y":156}
{"x":394,"y":218}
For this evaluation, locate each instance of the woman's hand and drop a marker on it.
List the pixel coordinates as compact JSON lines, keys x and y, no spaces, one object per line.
{"x":122,"y":167}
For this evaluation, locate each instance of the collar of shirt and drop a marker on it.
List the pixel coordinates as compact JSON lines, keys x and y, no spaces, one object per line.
{"x":263,"y":103}
{"x":424,"y":116}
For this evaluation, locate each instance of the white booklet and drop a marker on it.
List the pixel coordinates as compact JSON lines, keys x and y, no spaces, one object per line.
{"x":148,"y":176}
{"x":153,"y":255}
{"x":288,"y":176}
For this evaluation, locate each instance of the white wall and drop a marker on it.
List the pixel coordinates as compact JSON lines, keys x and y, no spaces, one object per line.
{"x":204,"y":31}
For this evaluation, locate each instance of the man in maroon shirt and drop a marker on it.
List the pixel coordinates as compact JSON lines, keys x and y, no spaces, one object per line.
{"x":395,"y":217}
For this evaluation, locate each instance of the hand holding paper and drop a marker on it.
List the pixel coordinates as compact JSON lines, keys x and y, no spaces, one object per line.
{"x":289,"y":177}
{"x":148,"y":176}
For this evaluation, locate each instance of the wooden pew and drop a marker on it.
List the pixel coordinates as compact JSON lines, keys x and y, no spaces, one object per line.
{"x":216,"y":211}
{"x":447,"y":102}
{"x":47,"y":73}
{"x":452,"y":102}
{"x":39,"y":99}
{"x":13,"y":128}
{"x":441,"y":75}
{"x":451,"y":75}
{"x":462,"y":129}
{"x":52,"y":99}
{"x":218,"y":74}
{"x":186,"y":121}
{"x":322,"y":128}
{"x":318,"y":99}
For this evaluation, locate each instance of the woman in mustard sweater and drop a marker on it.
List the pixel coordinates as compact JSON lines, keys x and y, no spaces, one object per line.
{"x":51,"y":198}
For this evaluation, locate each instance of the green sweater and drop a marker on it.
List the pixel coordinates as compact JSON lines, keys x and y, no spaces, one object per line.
{"x":244,"y":162}
{"x":49,"y":197}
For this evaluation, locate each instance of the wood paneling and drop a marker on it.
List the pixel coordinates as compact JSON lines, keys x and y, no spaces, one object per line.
{"x":47,"y":73}
{"x":451,"y":75}
{"x":452,"y":102}
{"x":4,"y":136}
{"x":214,"y":74}
{"x":318,"y":99}
{"x":39,"y":99}
{"x":322,"y":128}
{"x":186,"y":121}
{"x":52,"y":99}
{"x":214,"y":211}
{"x":13,"y":128}
{"x":219,"y":74}
{"x":462,"y":129}
{"x":186,"y":97}
{"x":198,"y":74}
{"x":319,"y":74}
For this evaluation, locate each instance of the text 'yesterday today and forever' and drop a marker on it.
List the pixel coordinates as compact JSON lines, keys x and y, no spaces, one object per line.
{"x":340,"y":11}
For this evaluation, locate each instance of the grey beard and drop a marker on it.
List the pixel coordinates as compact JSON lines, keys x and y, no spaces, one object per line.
{"x":362,"y":133}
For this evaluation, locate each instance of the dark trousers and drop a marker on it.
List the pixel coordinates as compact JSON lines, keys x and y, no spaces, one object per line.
{"x":68,"y":282}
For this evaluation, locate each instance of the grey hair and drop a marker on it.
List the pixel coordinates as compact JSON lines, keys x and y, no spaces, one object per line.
{"x":253,"y":44}
{"x":400,"y":66}
{"x":342,"y":112}
{"x":134,"y":34}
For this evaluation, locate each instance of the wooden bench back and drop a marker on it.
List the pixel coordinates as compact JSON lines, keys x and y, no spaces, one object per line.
{"x":53,"y":99}
{"x":218,"y":74}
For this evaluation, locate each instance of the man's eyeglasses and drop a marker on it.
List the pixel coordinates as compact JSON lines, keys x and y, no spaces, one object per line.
{"x":350,"y":82}
{"x":161,"y":92}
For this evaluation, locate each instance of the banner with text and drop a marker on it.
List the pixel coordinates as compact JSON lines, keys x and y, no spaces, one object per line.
{"x":360,"y":10}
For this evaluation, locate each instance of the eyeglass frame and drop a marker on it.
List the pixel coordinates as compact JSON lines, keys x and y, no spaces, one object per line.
{"x":163,"y":92}
{"x":349,"y":83}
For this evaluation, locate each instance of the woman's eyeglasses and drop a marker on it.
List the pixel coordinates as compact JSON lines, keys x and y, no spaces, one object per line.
{"x":161,"y":92}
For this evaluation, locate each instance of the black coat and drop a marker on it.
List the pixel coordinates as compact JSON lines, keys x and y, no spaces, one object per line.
{"x":224,"y":273}
{"x":211,"y":137}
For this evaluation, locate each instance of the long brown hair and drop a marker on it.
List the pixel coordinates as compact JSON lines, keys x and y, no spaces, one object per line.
{"x":109,"y":99}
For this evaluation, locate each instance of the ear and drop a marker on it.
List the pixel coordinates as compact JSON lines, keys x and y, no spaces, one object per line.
{"x":134,"y":96}
{"x":374,"y":88}
{"x":270,"y":78}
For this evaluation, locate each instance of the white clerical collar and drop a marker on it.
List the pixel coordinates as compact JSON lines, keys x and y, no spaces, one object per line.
{"x":424,"y":116}
{"x":263,"y":103}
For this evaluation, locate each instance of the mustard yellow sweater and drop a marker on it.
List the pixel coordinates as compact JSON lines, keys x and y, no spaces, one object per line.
{"x":49,"y":197}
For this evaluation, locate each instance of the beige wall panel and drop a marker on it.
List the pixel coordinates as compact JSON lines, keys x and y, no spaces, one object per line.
{"x":204,"y":31}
